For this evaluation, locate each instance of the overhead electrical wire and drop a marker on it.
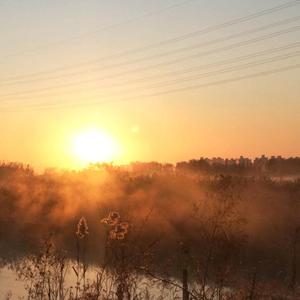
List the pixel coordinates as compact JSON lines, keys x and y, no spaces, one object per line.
{"x":122,"y":95}
{"x":159,"y":55}
{"x":171,"y":91}
{"x":178,"y":72}
{"x":208,"y":74}
{"x":194,"y":56}
{"x":103,"y":29}
{"x":168,"y":41}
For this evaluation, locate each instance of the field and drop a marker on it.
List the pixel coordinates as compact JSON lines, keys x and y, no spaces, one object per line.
{"x":111,"y":232}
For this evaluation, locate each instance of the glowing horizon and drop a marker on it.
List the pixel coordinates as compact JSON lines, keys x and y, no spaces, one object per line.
{"x":61,"y":78}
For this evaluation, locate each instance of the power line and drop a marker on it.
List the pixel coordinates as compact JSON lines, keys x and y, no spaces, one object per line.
{"x":197,"y":55}
{"x":226,"y":70}
{"x":171,"y":91}
{"x":181,"y":71}
{"x":207,"y":74}
{"x":171,"y":40}
{"x":109,"y":27}
{"x":160,"y":55}
{"x":143,"y":59}
{"x":216,"y":64}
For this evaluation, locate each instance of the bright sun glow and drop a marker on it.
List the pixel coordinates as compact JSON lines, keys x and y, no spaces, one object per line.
{"x":94,"y":146}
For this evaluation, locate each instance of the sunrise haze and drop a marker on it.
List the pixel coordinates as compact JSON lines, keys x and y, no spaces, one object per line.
{"x":116,"y":67}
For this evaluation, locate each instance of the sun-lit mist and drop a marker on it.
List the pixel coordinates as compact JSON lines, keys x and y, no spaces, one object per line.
{"x":93,"y":146}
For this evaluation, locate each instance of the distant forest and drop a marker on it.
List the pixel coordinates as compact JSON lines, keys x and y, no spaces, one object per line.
{"x":272,"y":166}
{"x":269,"y":166}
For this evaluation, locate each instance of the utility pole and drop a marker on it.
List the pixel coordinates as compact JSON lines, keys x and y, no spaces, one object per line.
{"x":185,"y":290}
{"x":294,"y":259}
{"x":185,"y":263}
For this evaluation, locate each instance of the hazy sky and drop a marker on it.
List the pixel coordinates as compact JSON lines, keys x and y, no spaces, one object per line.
{"x":149,"y":74}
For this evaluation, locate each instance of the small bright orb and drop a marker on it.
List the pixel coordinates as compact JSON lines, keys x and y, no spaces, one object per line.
{"x":93,"y":146}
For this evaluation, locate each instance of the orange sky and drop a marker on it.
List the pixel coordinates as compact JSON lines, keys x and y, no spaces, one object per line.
{"x":55,"y":81}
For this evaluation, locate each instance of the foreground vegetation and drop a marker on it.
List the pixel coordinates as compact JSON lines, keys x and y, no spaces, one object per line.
{"x":109,"y":233}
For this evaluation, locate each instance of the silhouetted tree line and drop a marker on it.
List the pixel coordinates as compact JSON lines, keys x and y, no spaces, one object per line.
{"x":272,"y":166}
{"x":260,"y":166}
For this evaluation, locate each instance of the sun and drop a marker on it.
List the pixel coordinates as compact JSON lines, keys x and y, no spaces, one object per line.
{"x":94,"y":146}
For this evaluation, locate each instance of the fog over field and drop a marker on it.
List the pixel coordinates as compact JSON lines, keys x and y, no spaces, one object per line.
{"x":149,"y":150}
{"x":226,"y":228}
